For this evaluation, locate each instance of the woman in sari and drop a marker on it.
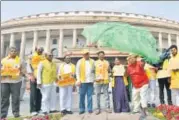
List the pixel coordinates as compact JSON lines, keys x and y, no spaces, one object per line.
{"x":120,"y":97}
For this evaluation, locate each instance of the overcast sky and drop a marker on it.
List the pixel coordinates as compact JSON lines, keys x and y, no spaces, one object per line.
{"x":165,"y":9}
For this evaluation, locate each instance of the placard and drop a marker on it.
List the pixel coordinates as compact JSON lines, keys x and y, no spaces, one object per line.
{"x":66,"y":79}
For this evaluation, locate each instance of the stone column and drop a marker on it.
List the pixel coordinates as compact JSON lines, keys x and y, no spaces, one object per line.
{"x":2,"y":46}
{"x":47,"y":43}
{"x":177,"y":39}
{"x":22,"y":47}
{"x":12,"y":40}
{"x":35,"y":40}
{"x":60,"y":45}
{"x":74,"y":37}
{"x":160,"y":40}
{"x":169,"y":40}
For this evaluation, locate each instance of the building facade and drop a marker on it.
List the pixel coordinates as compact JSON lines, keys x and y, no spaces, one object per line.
{"x":61,"y":31}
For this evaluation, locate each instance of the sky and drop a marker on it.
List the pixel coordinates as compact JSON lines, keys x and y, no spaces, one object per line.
{"x":164,"y":9}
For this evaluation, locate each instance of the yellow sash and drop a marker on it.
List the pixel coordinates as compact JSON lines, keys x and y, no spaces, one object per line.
{"x":10,"y":68}
{"x":83,"y":69}
{"x":124,"y":78}
{"x":101,"y":69}
{"x":36,"y":59}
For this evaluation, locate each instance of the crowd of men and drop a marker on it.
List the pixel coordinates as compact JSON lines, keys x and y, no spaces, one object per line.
{"x":89,"y":75}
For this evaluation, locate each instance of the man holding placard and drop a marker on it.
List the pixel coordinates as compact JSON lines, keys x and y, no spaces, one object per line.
{"x":66,"y":74}
{"x":12,"y":70}
{"x":174,"y":69}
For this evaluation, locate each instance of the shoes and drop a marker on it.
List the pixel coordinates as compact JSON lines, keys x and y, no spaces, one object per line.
{"x":69,"y":112}
{"x":90,"y":112}
{"x":153,"y":106}
{"x":170,"y":103}
{"x":63,"y":112}
{"x":54,"y":111}
{"x":98,"y":112}
{"x":82,"y":112}
{"x":34,"y":113}
{"x":16,"y":115}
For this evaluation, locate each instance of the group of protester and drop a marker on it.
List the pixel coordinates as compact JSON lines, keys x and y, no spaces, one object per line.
{"x":89,"y":75}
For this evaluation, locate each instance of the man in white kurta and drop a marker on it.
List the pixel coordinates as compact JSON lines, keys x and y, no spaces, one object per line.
{"x":66,"y":91}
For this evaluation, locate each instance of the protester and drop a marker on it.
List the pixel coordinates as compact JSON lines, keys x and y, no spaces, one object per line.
{"x":174,"y":68}
{"x":102,"y":70}
{"x":151,"y":73}
{"x":85,"y":78}
{"x":66,"y":91}
{"x":136,"y":72}
{"x":35,"y":94}
{"x":11,"y":70}
{"x":163,"y":77}
{"x":120,"y":98}
{"x":46,"y":76}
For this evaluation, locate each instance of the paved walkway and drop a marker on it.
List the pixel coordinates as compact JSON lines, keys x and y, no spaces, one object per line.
{"x":105,"y":116}
{"x":25,"y":107}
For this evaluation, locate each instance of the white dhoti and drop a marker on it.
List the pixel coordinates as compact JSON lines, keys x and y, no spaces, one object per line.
{"x":66,"y":98}
{"x":53,"y":96}
{"x":46,"y":97}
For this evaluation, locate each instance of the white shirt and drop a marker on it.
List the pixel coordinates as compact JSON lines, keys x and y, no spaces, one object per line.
{"x":89,"y":71}
{"x":118,"y":70}
{"x":67,"y":68}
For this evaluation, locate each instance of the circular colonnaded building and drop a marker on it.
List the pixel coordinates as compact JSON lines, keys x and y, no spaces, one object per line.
{"x":61,"y":32}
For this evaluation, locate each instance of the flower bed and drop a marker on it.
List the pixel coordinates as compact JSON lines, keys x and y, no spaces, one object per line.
{"x":166,"y":112}
{"x":55,"y":116}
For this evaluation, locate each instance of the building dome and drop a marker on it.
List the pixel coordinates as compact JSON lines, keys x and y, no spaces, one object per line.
{"x":61,"y":31}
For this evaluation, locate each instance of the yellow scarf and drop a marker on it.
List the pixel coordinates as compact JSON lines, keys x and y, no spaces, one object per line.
{"x":36,"y":59}
{"x":101,"y":69}
{"x":125,"y":81}
{"x":11,"y":68}
{"x":62,"y":69}
{"x":83,"y":69}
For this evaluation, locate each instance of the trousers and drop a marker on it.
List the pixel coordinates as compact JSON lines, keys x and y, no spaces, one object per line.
{"x":106,"y":95}
{"x":140,"y":97}
{"x":8,"y":89}
{"x":86,"y":89}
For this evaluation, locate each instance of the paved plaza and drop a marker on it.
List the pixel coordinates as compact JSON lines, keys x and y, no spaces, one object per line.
{"x":103,"y":116}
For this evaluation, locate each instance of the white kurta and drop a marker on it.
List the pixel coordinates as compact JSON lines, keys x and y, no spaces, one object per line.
{"x":65,"y":93}
{"x":48,"y":92}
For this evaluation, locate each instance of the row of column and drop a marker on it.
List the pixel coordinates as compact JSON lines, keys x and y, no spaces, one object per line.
{"x":169,"y":40}
{"x":35,"y":41}
{"x":61,"y":35}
